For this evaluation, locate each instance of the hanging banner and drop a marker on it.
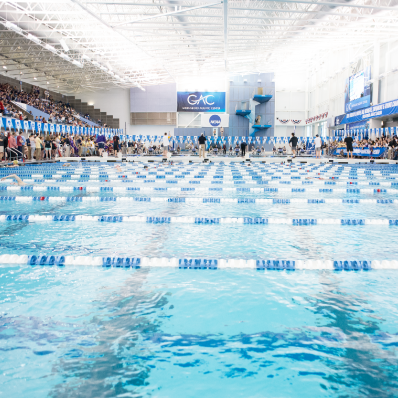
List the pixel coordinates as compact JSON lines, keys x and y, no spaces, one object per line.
{"x":201,"y":101}
{"x":375,"y":153}
{"x":385,"y":109}
{"x":211,"y":120}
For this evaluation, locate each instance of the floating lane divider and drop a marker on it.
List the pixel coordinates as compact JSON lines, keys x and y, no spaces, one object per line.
{"x":194,"y":200}
{"x":198,"y":263}
{"x":201,"y":170}
{"x":247,"y":174}
{"x":208,"y":178}
{"x":198,"y":189}
{"x":230,"y":182}
{"x":197,"y":220}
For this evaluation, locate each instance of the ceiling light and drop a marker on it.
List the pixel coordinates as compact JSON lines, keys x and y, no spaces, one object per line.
{"x":64,"y":56}
{"x":21,"y":73}
{"x":12,"y":26}
{"x":4,"y":67}
{"x":35,"y":78}
{"x":51,"y":48}
{"x":34,"y":38}
{"x":77,"y":63}
{"x":64,"y":46}
{"x":48,"y":82}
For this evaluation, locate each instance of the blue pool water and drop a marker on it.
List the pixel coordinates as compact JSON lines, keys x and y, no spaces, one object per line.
{"x":88,"y":331}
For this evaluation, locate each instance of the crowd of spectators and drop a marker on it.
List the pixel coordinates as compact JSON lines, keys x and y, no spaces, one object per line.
{"x":390,"y":143}
{"x":15,"y":145}
{"x":58,"y":112}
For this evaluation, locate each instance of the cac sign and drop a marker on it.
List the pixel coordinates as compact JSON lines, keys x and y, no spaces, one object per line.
{"x":214,"y":120}
{"x":201,"y":101}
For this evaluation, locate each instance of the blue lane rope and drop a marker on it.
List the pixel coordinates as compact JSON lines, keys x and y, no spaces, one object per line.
{"x":198,"y":263}
{"x":211,"y":200}
{"x":243,"y":180}
{"x":200,"y":189}
{"x":196,"y":220}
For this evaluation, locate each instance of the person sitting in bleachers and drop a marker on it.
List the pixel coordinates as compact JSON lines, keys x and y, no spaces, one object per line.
{"x":58,"y":111}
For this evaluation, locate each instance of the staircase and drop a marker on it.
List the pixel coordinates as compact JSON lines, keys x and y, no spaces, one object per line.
{"x":248,"y":110}
{"x":24,"y":112}
{"x":95,"y":114}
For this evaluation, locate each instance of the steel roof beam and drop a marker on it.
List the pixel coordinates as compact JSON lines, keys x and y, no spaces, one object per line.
{"x":167,"y":14}
{"x":334,"y":5}
{"x":293,"y":11}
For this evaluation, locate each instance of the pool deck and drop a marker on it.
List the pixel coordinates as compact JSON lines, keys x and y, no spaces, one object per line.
{"x":211,"y":159}
{"x":227,"y":159}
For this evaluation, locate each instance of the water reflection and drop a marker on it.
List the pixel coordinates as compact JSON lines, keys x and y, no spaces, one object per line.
{"x":105,"y":366}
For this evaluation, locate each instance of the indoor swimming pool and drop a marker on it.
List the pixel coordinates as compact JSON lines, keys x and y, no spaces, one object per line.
{"x":222,"y":280}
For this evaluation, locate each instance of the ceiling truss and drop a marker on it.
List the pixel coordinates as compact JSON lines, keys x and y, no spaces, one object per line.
{"x":128,"y":43}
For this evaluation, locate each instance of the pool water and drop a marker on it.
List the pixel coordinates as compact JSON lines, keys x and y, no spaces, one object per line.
{"x":86,"y":331}
{"x":94,"y":332}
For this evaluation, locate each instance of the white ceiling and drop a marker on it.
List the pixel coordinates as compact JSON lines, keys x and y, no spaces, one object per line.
{"x":144,"y":42}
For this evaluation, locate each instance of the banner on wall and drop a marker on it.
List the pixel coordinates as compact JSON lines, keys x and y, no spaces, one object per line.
{"x":338,"y":119}
{"x":380,"y":110}
{"x":45,"y":128}
{"x":201,"y":101}
{"x":364,"y":124}
{"x":214,"y":120}
{"x":376,"y":153}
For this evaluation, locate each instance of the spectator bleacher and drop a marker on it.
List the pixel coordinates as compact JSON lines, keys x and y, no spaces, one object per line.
{"x":26,"y":102}
{"x":47,"y":109}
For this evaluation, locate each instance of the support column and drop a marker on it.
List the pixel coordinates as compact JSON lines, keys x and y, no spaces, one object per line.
{"x":376,"y":72}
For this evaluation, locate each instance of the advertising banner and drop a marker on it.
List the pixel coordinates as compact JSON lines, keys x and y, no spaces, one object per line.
{"x":214,"y":120}
{"x":201,"y":101}
{"x":364,"y":124}
{"x":338,"y":119}
{"x":376,"y":153}
{"x":385,"y":109}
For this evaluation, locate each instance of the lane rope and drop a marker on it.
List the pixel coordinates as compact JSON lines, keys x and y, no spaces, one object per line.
{"x":198,"y":263}
{"x":196,"y":220}
{"x":211,"y":200}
